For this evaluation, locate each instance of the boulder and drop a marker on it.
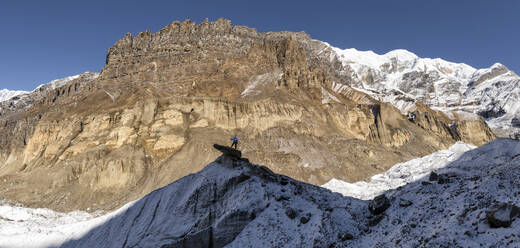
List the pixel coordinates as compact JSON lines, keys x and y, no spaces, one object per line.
{"x":433,"y":176}
{"x":440,"y":179}
{"x":379,"y":204}
{"x":306,"y":218}
{"x":503,"y":215}
{"x":404,"y":203}
{"x":228,"y":151}
{"x":345,"y":236}
{"x":291,"y":213}
{"x":373,"y":221}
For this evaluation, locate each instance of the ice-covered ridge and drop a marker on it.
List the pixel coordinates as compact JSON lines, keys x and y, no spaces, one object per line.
{"x":8,"y":94}
{"x":227,"y":204}
{"x":400,"y":174}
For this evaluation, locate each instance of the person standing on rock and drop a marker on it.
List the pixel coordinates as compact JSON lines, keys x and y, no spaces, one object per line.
{"x":235,"y":142}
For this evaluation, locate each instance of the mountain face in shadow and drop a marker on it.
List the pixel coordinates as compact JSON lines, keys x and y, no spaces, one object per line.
{"x":233,"y":203}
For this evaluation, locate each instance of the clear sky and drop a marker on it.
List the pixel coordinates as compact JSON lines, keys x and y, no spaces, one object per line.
{"x":45,"y":40}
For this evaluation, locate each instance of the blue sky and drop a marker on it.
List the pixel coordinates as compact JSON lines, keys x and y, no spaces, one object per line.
{"x":45,"y":40}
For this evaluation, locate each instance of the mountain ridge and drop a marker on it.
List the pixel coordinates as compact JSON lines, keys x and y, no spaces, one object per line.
{"x":360,"y":61}
{"x":163,"y":97}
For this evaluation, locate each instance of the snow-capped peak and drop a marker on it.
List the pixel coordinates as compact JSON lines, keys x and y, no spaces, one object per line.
{"x":401,"y":55}
{"x":497,"y":65}
{"x":351,"y":55}
{"x":492,"y":92}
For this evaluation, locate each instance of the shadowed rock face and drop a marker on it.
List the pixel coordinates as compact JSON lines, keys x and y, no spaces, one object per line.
{"x":163,"y":98}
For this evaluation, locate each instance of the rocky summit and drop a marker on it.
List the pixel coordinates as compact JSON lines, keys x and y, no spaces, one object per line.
{"x":150,"y":116}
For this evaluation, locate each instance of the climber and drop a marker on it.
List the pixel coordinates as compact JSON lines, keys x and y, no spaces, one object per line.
{"x":235,"y":142}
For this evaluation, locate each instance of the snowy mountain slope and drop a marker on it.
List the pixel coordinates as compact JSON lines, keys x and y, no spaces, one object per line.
{"x":451,"y":210}
{"x":400,"y":174}
{"x":447,"y":213}
{"x":233,"y":203}
{"x":8,"y":94}
{"x":402,"y":78}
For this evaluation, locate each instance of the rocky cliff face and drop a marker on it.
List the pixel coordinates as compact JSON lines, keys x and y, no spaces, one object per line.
{"x":162,"y":98}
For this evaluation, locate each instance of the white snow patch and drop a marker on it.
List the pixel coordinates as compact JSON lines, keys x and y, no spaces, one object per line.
{"x":400,"y":174}
{"x":327,"y":97}
{"x":255,"y":83}
{"x":110,"y":95}
{"x":28,"y":227}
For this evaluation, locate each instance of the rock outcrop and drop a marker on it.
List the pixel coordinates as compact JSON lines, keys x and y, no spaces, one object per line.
{"x":503,"y":215}
{"x":379,"y":204}
{"x":228,"y":151}
{"x":163,"y":98}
